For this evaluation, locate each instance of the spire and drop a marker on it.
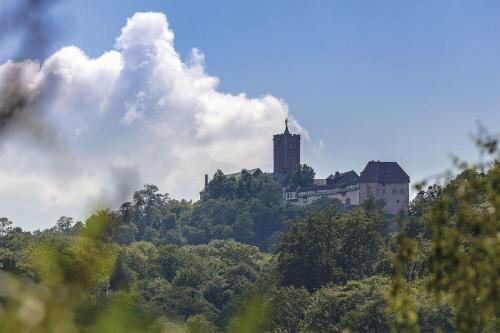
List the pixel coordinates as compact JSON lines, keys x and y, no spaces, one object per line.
{"x":286,"y":126}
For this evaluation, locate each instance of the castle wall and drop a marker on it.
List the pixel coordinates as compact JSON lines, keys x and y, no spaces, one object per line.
{"x":349,"y":198}
{"x":396,"y":196}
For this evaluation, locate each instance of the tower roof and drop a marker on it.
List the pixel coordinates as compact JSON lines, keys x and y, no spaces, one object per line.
{"x":383,"y":172}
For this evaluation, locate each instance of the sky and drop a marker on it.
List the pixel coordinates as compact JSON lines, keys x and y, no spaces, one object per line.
{"x":189,"y":87}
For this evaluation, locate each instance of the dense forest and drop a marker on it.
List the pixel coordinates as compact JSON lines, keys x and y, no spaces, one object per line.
{"x":243,"y":261}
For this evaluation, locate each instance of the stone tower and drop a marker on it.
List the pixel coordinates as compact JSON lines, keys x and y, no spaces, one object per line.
{"x":286,"y":153}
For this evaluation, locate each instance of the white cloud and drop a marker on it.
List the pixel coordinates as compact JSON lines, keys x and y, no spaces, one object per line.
{"x":138,"y":113}
{"x":134,"y":110}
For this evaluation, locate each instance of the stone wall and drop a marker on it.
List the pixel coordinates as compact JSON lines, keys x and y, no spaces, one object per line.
{"x":396,"y":196}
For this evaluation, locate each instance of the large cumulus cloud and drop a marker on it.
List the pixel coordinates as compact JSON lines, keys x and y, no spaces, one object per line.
{"x":93,"y":130}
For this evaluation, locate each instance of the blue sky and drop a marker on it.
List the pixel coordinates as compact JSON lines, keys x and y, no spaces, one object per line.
{"x":387,"y":80}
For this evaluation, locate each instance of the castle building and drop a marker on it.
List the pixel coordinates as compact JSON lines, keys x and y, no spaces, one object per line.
{"x":342,"y":186}
{"x":384,"y":182}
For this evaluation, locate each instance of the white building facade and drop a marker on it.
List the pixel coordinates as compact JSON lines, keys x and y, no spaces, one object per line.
{"x":383,"y":182}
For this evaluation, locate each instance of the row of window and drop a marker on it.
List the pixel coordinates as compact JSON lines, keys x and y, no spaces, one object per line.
{"x":341,"y":190}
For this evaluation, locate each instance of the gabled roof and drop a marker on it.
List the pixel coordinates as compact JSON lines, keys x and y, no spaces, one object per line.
{"x":237,"y":175}
{"x":383,"y":172}
{"x":342,"y":179}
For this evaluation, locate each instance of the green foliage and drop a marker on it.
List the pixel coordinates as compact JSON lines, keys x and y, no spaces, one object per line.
{"x":200,"y":324}
{"x":461,"y":222}
{"x":80,"y":283}
{"x":163,"y":265}
{"x":357,"y":305}
{"x":302,"y":176}
{"x":419,"y":209}
{"x":5,"y":226}
{"x":64,"y":225}
{"x":331,"y":247}
{"x":249,"y":209}
{"x":251,"y":318}
{"x":463,"y":259}
{"x":432,"y":313}
{"x":286,"y":310}
{"x":67,"y":292}
{"x":243,"y":187}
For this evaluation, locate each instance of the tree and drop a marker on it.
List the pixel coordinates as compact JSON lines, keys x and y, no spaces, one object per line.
{"x":200,"y":324}
{"x":246,"y":185}
{"x":243,"y":227}
{"x":102,"y":225}
{"x":5,"y":226}
{"x":221,"y":186}
{"x":64,"y":225}
{"x":331,"y":247}
{"x":462,"y":260}
{"x":286,"y":309}
{"x":147,"y":210}
{"x":357,"y":305}
{"x":302,"y":176}
{"x":465,"y":248}
{"x":419,"y":208}
{"x":143,"y":258}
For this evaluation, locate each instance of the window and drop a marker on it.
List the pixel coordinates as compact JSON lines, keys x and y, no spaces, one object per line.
{"x":383,"y":190}
{"x":402,"y":191}
{"x":394,"y":191}
{"x":398,"y":200}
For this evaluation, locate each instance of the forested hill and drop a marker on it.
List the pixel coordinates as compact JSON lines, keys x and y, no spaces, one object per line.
{"x":249,"y":209}
{"x":243,"y":261}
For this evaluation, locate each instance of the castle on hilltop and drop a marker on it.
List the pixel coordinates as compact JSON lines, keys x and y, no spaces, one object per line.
{"x":384,"y":182}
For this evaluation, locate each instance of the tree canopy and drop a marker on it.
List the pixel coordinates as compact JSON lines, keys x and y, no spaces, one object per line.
{"x":302,"y":176}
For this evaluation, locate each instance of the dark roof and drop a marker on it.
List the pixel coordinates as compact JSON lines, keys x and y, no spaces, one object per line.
{"x":342,"y":179}
{"x":383,"y":172}
{"x":237,"y":175}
